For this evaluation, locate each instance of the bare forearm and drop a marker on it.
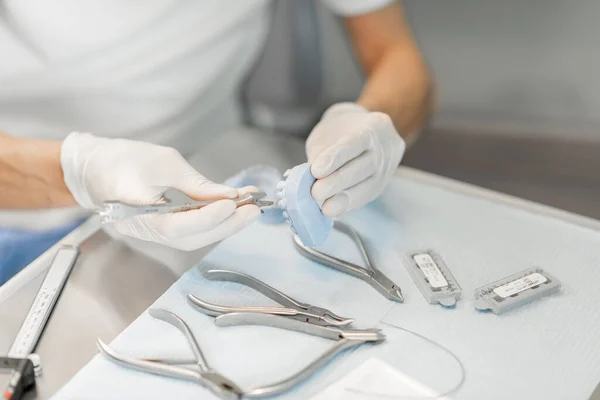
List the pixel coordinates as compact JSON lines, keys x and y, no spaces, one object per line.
{"x":398,"y":81}
{"x":399,"y":86}
{"x":31,"y":175}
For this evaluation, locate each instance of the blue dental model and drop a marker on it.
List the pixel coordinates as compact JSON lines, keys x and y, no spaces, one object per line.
{"x":300,"y":209}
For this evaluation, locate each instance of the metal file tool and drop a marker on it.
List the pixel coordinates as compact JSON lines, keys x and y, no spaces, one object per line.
{"x":291,"y":307}
{"x":33,"y":326}
{"x":197,"y":371}
{"x":370,"y":274}
{"x":44,"y":302}
{"x":113,"y":211}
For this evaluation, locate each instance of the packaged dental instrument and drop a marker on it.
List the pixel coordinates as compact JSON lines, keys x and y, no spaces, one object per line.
{"x":433,"y":278}
{"x":515,"y":290}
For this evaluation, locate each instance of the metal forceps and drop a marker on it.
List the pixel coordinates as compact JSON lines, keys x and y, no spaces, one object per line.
{"x":291,"y":307}
{"x":201,"y":374}
{"x":113,"y":211}
{"x":370,"y":274}
{"x":345,"y":339}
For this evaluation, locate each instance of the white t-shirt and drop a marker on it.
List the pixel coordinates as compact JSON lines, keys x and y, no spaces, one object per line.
{"x":164,"y":71}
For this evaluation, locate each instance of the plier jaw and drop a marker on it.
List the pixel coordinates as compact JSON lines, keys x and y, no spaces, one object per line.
{"x":258,"y":199}
{"x":369,"y":273}
{"x":385,"y":286}
{"x":325,"y":317}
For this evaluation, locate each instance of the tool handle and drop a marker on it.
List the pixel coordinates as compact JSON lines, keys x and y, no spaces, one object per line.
{"x":177,"y":322}
{"x":353,"y":234}
{"x":253,"y":283}
{"x":240,"y":201}
{"x":295,"y":379}
{"x":331,"y":261}
{"x":117,"y":210}
{"x":168,"y":208}
{"x":214,"y":310}
{"x":276,"y":321}
{"x":149,"y":366}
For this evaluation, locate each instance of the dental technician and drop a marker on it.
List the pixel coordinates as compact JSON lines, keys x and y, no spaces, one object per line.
{"x":150,"y":80}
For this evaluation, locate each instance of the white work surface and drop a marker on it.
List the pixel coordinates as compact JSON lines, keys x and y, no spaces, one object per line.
{"x":546,"y":350}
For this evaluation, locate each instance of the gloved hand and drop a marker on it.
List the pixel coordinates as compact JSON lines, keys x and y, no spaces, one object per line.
{"x":99,"y":169}
{"x":353,"y":154}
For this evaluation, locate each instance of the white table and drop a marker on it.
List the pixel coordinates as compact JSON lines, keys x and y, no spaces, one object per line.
{"x":99,"y":300}
{"x":547,"y":349}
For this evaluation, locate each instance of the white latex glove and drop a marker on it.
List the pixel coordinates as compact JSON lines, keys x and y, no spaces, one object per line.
{"x":99,"y":169}
{"x":353,"y":154}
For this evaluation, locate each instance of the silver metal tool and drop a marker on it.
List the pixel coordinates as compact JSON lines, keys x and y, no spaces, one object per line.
{"x":370,"y":274}
{"x":433,"y":278}
{"x":199,"y":373}
{"x":113,"y":211}
{"x":292,"y":308}
{"x":345,"y":339}
{"x":42,"y":306}
{"x":515,"y":290}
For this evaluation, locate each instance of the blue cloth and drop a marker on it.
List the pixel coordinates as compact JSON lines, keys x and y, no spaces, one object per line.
{"x":19,"y":247}
{"x":549,"y":347}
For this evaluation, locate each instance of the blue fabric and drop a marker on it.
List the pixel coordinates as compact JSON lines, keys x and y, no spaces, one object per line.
{"x":549,"y":347}
{"x":19,"y":247}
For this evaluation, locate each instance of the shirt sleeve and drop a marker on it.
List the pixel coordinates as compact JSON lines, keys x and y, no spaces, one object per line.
{"x":348,"y":8}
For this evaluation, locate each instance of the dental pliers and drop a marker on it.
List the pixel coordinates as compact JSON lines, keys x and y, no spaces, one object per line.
{"x":344,"y":339}
{"x":200,"y":372}
{"x":291,"y":307}
{"x":370,"y":274}
{"x":113,"y":211}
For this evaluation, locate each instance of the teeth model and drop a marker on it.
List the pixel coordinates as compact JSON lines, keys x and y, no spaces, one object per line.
{"x":299,"y":207}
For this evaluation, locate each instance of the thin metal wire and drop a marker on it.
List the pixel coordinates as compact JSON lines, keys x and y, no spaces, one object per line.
{"x":439,"y":396}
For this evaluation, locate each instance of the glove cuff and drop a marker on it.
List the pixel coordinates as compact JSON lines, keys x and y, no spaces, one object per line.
{"x":75,"y":151}
{"x":343,"y":108}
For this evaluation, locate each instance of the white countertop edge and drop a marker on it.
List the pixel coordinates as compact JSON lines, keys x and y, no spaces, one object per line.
{"x":497,"y":197}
